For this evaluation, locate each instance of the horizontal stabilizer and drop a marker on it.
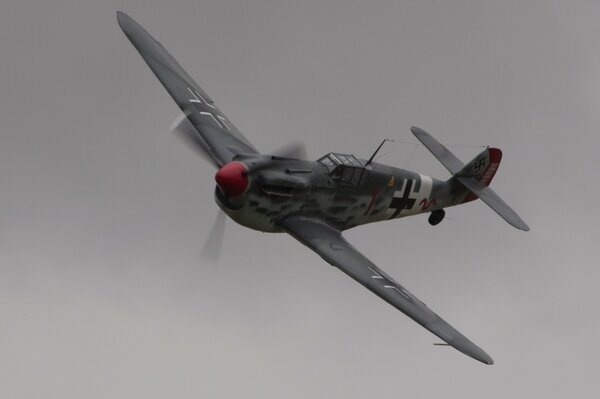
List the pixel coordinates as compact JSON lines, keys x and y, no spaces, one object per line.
{"x":475,"y":175}
{"x":494,"y":201}
{"x":450,"y":162}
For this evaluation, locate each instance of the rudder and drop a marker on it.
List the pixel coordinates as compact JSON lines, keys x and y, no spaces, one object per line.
{"x":482,"y":168}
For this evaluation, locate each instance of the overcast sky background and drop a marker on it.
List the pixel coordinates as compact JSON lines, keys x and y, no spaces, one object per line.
{"x":104,"y":294}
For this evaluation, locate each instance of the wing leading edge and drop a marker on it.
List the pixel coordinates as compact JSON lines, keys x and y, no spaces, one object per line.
{"x":216,"y":133}
{"x":328,"y":242}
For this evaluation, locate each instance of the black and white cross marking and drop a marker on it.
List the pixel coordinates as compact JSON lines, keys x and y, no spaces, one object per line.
{"x":212,"y":110}
{"x":402,"y":199}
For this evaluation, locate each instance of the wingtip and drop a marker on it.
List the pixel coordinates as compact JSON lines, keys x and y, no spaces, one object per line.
{"x":468,"y":348}
{"x":479,"y":354}
{"x":122,"y":18}
{"x":416,"y":130}
{"x":521,"y":225}
{"x":487,"y":360}
{"x":127,"y":23}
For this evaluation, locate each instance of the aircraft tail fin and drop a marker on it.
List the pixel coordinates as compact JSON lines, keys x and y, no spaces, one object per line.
{"x":475,"y":176}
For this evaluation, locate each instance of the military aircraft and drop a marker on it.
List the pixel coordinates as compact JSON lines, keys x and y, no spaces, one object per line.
{"x":314,"y":201}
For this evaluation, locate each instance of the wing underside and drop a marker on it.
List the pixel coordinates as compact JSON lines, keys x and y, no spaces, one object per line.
{"x":328,"y":242}
{"x":221,"y":139}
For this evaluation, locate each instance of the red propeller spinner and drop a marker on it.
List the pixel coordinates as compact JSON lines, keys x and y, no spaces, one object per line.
{"x":232,"y":178}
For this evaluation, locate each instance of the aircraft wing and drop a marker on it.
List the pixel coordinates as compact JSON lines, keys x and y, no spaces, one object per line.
{"x":328,"y":242}
{"x":219,"y":137}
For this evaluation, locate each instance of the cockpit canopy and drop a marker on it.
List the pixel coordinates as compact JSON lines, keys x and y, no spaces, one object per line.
{"x":334,"y":159}
{"x":344,"y":168}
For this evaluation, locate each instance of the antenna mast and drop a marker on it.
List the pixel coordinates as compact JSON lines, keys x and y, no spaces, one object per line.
{"x":370,"y":161}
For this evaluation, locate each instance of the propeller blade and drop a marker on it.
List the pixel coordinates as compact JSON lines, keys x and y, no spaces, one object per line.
{"x":186,"y":132}
{"x":295,"y":150}
{"x":214,"y":241}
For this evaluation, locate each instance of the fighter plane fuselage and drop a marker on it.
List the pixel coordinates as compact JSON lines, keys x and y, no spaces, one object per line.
{"x":345,"y":195}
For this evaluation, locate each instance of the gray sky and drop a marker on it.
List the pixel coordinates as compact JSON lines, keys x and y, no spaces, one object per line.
{"x":103,"y":292}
